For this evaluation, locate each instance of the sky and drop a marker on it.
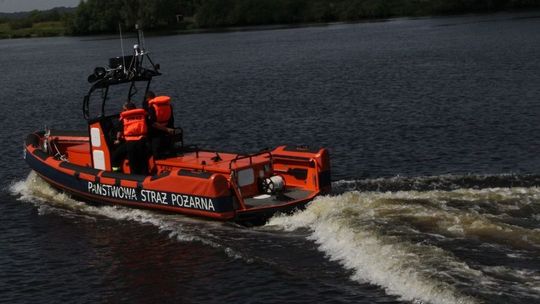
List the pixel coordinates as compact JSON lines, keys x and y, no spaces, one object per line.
{"x":10,"y":6}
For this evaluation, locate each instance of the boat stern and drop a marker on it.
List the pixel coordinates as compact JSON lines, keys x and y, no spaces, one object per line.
{"x":295,"y":177}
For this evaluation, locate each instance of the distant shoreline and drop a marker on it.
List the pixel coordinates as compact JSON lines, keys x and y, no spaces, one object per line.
{"x":57,"y":29}
{"x":533,"y":14}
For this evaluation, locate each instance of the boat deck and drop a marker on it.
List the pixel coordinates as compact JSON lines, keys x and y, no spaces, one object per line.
{"x":207,"y":161}
{"x":273,"y":200}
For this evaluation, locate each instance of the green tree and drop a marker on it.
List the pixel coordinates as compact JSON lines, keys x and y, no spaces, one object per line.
{"x":100,"y":16}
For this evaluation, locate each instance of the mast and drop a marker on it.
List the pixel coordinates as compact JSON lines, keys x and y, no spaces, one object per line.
{"x":124,"y":69}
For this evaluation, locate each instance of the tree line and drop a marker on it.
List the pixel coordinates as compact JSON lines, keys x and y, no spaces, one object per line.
{"x":26,"y":20}
{"x":217,"y":13}
{"x":96,"y":16}
{"x":104,"y":16}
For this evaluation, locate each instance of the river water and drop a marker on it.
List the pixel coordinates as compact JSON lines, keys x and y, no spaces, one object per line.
{"x":433,"y":130}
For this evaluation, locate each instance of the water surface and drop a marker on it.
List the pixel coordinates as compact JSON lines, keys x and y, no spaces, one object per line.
{"x":432,"y":127}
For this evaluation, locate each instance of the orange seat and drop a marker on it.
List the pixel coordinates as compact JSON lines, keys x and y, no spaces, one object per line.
{"x":79,"y":154}
{"x":81,"y":148}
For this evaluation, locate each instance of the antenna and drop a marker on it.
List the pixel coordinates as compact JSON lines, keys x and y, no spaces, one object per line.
{"x":143,"y":43}
{"x":122,"y":46}
{"x":138,"y":34}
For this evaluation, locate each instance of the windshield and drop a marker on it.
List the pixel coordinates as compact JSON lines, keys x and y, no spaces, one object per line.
{"x":107,"y":102}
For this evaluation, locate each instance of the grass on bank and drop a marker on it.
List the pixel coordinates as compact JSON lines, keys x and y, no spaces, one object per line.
{"x":38,"y":29}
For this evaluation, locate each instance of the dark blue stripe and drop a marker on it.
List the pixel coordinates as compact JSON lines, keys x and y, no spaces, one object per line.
{"x":221,"y":204}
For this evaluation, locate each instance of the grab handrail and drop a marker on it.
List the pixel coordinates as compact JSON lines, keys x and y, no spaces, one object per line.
{"x":250,"y":157}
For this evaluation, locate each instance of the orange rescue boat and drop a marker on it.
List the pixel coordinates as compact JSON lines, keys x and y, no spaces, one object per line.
{"x":246,"y":188}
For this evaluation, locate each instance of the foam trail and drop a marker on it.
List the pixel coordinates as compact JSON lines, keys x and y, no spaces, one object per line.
{"x":396,"y":240}
{"x":348,"y":233}
{"x":487,"y":214}
{"x":522,"y":281}
{"x":439,"y":182}
{"x":389,"y":239}
{"x":35,"y":190}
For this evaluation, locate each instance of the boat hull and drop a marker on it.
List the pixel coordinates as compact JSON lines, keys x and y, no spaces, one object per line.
{"x":90,"y":188}
{"x":204,"y":194}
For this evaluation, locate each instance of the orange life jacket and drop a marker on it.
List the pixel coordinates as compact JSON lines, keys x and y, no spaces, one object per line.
{"x":134,"y":124}
{"x":162,"y":108}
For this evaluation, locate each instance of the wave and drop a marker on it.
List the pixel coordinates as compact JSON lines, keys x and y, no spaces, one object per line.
{"x":408,"y":242}
{"x":439,"y":182}
{"x":48,"y":200}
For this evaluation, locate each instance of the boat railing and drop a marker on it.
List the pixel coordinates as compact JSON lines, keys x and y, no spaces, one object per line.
{"x":248,"y":156}
{"x":196,"y":149}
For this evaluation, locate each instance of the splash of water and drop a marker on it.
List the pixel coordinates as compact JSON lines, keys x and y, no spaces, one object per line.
{"x":38,"y":192}
{"x":382,"y":237}
{"x":389,"y":239}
